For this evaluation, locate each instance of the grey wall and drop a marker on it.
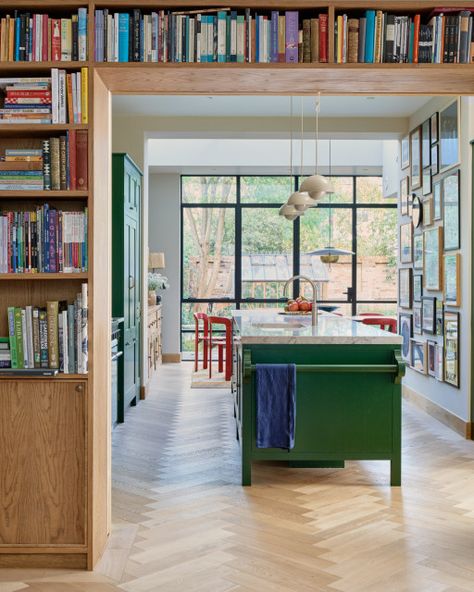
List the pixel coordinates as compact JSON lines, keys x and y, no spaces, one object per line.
{"x":164,"y":235}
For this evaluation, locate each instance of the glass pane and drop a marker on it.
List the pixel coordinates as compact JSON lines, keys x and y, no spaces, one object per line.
{"x":343,"y":190}
{"x":208,"y":252}
{"x":388,"y":310}
{"x":218,"y":190}
{"x":337,"y":308}
{"x":369,"y":190}
{"x":267,"y":253}
{"x":256,"y":305}
{"x":333,"y":279}
{"x":266,"y":189}
{"x":377,"y":254}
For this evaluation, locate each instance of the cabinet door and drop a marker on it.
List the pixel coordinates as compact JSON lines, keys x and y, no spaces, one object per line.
{"x":42,"y":462}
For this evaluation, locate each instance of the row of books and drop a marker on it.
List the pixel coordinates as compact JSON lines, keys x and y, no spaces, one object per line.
{"x":379,"y":37}
{"x":61,"y":98}
{"x":32,"y":37}
{"x":54,"y":336}
{"x":225,"y":36}
{"x":44,"y":240}
{"x":59,"y":165}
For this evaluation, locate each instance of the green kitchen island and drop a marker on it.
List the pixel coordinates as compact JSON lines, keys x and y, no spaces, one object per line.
{"x":348,"y":389}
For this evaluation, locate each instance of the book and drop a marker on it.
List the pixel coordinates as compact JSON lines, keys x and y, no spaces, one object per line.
{"x":291,"y":36}
{"x":82,"y":159}
{"x":53,"y":337}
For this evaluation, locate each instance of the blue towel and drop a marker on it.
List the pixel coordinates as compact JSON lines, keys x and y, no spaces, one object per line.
{"x":276,"y":405}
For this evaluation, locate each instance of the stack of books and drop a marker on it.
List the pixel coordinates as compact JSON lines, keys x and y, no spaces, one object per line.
{"x":61,"y":98}
{"x":379,"y":37}
{"x":210,"y":36}
{"x":5,"y":354}
{"x":59,"y":165}
{"x":45,"y":240}
{"x":52,"y":337}
{"x":28,"y":37}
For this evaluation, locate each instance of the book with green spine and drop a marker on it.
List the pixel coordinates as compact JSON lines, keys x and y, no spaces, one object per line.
{"x":52,"y":307}
{"x":12,"y":336}
{"x":19,"y":339}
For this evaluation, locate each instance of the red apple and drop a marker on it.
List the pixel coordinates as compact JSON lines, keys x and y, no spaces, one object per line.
{"x":293,"y":306}
{"x":304,"y":306}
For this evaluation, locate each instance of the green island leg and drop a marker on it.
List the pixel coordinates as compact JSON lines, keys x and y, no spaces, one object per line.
{"x":396,"y":470}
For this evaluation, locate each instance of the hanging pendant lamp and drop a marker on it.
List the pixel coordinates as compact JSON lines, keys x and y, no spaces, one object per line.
{"x":300,"y":199}
{"x":316,"y":185}
{"x":296,"y":204}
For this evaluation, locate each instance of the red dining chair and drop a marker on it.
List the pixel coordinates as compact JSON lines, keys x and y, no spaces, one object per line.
{"x":385,"y":323}
{"x":201,"y":338}
{"x":223,"y":344}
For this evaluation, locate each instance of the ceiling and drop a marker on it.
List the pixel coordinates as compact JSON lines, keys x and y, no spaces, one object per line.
{"x":265,"y":106}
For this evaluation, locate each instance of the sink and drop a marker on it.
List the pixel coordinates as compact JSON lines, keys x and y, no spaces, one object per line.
{"x":291,"y":325}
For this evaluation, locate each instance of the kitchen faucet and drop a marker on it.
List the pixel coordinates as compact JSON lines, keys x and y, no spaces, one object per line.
{"x":314,"y":308}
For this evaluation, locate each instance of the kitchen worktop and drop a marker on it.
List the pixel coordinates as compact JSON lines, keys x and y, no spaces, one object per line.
{"x":268,"y":326}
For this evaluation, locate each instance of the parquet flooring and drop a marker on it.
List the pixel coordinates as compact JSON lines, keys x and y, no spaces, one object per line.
{"x":182,"y":523}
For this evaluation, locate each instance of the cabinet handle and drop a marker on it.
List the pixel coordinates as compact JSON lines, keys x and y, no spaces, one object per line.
{"x":79,"y":388}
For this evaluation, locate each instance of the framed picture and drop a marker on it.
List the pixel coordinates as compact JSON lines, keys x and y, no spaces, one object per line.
{"x":439,"y":317}
{"x":428,"y":211}
{"x":426,"y":143}
{"x":452,"y":279}
{"x":449,"y":136}
{"x":405,"y":329}
{"x":405,"y":155}
{"x":439,"y":374}
{"x":405,"y":275}
{"x":431,"y":357}
{"x":451,"y":348}
{"x":437,"y":200}
{"x":434,"y":159}
{"x":404,"y":196}
{"x":417,"y":319}
{"x":432,"y":258}
{"x":428,"y":314}
{"x":418,"y":251}
{"x":426,"y":185}
{"x":415,"y":158}
{"x":418,"y":355}
{"x":416,"y":211}
{"x":434,"y":127}
{"x":406,"y":243}
{"x":417,"y":287}
{"x":452,"y":239}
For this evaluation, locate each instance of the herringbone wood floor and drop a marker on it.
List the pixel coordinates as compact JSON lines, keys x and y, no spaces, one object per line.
{"x":183,"y":523}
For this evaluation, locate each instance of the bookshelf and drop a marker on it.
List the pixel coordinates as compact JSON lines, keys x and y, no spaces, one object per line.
{"x":79,"y":401}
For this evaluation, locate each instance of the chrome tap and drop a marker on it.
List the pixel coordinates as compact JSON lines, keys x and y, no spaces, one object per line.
{"x":314,"y":309}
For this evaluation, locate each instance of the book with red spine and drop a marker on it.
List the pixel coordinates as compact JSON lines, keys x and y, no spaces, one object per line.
{"x":323,"y":38}
{"x":72,"y":160}
{"x":416,"y":38}
{"x":69,"y":101}
{"x":56,"y":40}
{"x":81,"y":159}
{"x":28,"y":93}
{"x":45,"y":31}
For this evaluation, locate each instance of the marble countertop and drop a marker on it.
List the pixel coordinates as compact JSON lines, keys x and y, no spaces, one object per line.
{"x":267,"y":326}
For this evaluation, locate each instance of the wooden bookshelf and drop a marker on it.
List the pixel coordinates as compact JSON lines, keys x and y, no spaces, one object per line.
{"x":43,"y":196}
{"x":37,"y":277}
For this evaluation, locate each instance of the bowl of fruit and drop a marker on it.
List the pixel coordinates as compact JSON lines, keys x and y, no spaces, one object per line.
{"x":300,"y":306}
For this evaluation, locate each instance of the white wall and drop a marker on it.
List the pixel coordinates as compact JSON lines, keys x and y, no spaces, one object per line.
{"x":457,"y":401}
{"x":164,"y":236}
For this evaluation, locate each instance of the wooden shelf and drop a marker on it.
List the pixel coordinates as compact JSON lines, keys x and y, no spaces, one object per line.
{"x":35,"y":277}
{"x":59,"y":376}
{"x":43,"y":5}
{"x":288,"y":5}
{"x":38,"y":129}
{"x":39,"y":66}
{"x":43,"y":195}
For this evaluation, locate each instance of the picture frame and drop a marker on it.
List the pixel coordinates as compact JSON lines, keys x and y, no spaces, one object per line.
{"x":434,"y":159}
{"x":415,"y":158}
{"x":449,"y":136}
{"x":406,"y":242}
{"x":439,"y":374}
{"x":432,"y":239}
{"x":405,"y":196}
{"x":417,"y":287}
{"x":405,"y":152}
{"x":439,"y":317}
{"x":417,"y":319}
{"x":428,"y":315}
{"x":405,"y":329}
{"x":451,"y":348}
{"x":437,"y":200}
{"x":426,"y":144}
{"x":418,"y":251}
{"x":434,"y":127}
{"x":405,"y":281}
{"x":426,"y":182}
{"x":416,"y":211}
{"x":431,"y":357}
{"x":451,"y":211}
{"x":428,"y":210}
{"x":452,"y":279}
{"x":418,"y":356}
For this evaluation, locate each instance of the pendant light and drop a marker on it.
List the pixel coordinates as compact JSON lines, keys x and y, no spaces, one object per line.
{"x":330,"y":254}
{"x":296,"y":203}
{"x":316,"y":185}
{"x":301,"y":200}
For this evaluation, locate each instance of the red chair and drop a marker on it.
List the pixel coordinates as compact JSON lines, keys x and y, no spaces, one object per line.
{"x":223,"y":344}
{"x":385,"y":323}
{"x":201,"y":338}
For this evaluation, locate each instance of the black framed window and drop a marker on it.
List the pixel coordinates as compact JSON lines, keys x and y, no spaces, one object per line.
{"x":237,"y":252}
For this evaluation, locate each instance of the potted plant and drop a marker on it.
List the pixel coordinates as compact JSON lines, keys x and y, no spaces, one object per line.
{"x":156,"y":281}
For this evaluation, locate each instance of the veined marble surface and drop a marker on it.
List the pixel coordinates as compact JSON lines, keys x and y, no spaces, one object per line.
{"x":267,"y":326}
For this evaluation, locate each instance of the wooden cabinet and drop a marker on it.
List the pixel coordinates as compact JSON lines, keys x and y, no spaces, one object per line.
{"x":154,"y":339}
{"x":43,"y":462}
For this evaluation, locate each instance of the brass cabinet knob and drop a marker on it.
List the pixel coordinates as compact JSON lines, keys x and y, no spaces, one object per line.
{"x":79,"y":388}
